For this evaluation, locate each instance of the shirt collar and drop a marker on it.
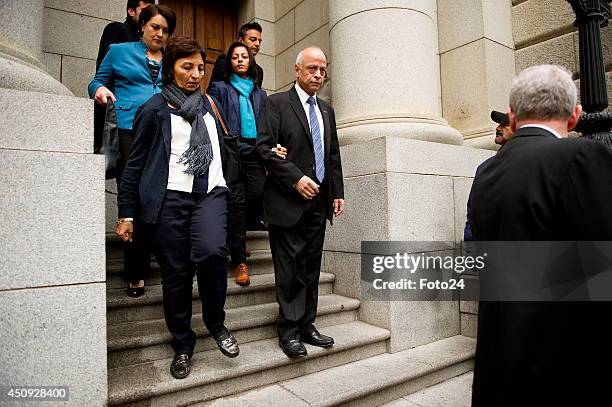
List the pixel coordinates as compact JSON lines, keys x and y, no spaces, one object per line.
{"x":303,"y":95}
{"x":541,"y":126}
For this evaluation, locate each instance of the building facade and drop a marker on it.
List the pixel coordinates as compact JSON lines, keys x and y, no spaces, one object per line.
{"x":412,"y":83}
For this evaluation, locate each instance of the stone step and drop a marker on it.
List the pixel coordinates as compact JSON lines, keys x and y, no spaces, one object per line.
{"x":455,"y":392}
{"x":122,"y":309}
{"x":260,"y":262}
{"x":146,"y":341}
{"x":260,"y":363}
{"x":367,"y":382}
{"x":255,"y":241}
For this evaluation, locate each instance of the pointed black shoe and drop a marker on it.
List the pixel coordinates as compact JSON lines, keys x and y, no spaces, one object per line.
{"x":315,"y":338}
{"x":180,"y":367}
{"x":293,"y":348}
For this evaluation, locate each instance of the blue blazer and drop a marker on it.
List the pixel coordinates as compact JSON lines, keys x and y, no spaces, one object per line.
{"x":145,"y":176}
{"x":227,"y":95}
{"x":124,"y":71}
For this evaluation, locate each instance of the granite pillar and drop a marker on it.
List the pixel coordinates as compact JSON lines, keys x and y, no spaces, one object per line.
{"x":386,"y":71}
{"x":407,"y":177}
{"x":52,"y":277}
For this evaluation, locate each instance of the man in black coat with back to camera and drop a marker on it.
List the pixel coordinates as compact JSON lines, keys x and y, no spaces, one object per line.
{"x":543,"y":186}
{"x":300,"y":193}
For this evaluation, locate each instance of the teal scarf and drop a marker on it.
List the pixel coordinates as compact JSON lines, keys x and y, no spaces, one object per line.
{"x":244,"y":86}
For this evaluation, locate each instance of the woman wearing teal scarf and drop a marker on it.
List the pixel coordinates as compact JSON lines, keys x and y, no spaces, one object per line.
{"x":242,"y":104}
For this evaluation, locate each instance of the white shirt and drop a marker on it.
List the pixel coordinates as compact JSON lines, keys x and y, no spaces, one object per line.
{"x":541,"y":126}
{"x":181,"y":131}
{"x":304,"y":99}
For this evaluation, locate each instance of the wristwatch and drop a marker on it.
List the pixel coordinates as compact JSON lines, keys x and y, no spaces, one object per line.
{"x":123,"y":220}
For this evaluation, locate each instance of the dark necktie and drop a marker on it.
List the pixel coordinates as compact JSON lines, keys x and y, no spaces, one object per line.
{"x":317,"y":143}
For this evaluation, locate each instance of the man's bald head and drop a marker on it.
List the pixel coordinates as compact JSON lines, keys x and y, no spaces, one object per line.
{"x":310,"y":69}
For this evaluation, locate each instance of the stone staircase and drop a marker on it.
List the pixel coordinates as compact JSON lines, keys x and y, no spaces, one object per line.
{"x":139,"y":352}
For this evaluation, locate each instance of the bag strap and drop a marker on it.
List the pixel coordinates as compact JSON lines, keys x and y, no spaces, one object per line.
{"x":217,"y":114}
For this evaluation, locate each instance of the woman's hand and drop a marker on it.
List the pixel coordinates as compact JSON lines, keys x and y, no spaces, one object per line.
{"x":124,"y":230}
{"x":102,"y":93}
{"x":280,"y":151}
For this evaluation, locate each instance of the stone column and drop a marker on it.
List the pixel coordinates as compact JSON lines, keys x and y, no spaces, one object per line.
{"x":405,"y":177}
{"x":386,"y":71}
{"x":21,"y":34}
{"x":52,"y":275}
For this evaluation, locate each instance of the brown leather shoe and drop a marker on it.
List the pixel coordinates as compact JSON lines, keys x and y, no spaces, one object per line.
{"x":242,"y":275}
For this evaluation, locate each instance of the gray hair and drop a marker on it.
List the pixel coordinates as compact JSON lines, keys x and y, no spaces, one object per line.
{"x":543,"y":92}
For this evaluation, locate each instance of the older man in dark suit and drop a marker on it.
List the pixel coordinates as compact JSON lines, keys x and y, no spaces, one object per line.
{"x":300,"y":193}
{"x":542,"y":186}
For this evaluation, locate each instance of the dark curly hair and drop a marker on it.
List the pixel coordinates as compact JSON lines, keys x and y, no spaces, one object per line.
{"x":177,"y":48}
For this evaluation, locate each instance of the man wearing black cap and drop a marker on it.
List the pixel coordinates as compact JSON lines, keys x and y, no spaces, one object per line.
{"x":503,"y":133}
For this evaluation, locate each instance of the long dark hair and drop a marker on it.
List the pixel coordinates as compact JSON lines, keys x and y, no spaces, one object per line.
{"x":227,"y":68}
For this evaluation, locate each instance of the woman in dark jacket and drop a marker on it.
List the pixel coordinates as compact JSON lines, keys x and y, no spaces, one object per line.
{"x":175,"y":173}
{"x":243,"y":104}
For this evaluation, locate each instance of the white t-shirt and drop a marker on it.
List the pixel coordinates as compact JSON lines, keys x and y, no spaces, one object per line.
{"x":181,"y":130}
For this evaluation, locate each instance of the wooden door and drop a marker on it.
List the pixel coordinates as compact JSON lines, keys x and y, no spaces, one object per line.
{"x":212,"y":23}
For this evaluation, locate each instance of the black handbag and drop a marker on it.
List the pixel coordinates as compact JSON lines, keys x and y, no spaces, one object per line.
{"x":232,"y":168}
{"x":110,"y":140}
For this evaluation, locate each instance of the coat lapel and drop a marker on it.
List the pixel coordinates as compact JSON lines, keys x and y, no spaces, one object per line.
{"x":296,"y":105}
{"x":163,"y":114}
{"x":234,"y":99}
{"x":326,"y":127}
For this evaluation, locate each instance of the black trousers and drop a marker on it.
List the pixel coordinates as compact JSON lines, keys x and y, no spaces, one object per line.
{"x":296,"y":253}
{"x":244,"y":202}
{"x":137,"y":253}
{"x":255,"y":175}
{"x":188,"y":239}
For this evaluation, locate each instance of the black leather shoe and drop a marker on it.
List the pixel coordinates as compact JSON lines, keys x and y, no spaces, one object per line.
{"x":316,"y":339}
{"x":228,"y":345}
{"x":135,"y":292}
{"x":180,"y":367}
{"x":292,"y":348}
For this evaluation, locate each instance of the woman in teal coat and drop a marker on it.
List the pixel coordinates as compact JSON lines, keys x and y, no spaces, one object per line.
{"x":129,"y":75}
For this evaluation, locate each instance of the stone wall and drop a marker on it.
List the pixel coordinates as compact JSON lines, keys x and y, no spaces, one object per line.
{"x":288,"y":26}
{"x":544,"y":34}
{"x":72,"y":30}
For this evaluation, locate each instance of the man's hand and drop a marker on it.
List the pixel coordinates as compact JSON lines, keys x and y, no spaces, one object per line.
{"x":280,"y":151}
{"x":102,"y":93}
{"x":307,"y":187}
{"x":124,"y":231}
{"x":338,"y":207}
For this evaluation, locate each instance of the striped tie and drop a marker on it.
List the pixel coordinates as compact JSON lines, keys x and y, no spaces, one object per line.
{"x":316,"y":141}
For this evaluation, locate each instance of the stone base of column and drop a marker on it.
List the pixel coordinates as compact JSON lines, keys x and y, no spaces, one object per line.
{"x":19,"y":75}
{"x":437,"y":131}
{"x":52,"y":278}
{"x":398,"y":189}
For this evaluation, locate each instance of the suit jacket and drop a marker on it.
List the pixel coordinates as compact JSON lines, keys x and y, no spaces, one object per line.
{"x":227,"y":96}
{"x":124,"y":71}
{"x":285,"y":123}
{"x":539,"y":187}
{"x":219,"y":72}
{"x":116,"y":33}
{"x":145,"y":176}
